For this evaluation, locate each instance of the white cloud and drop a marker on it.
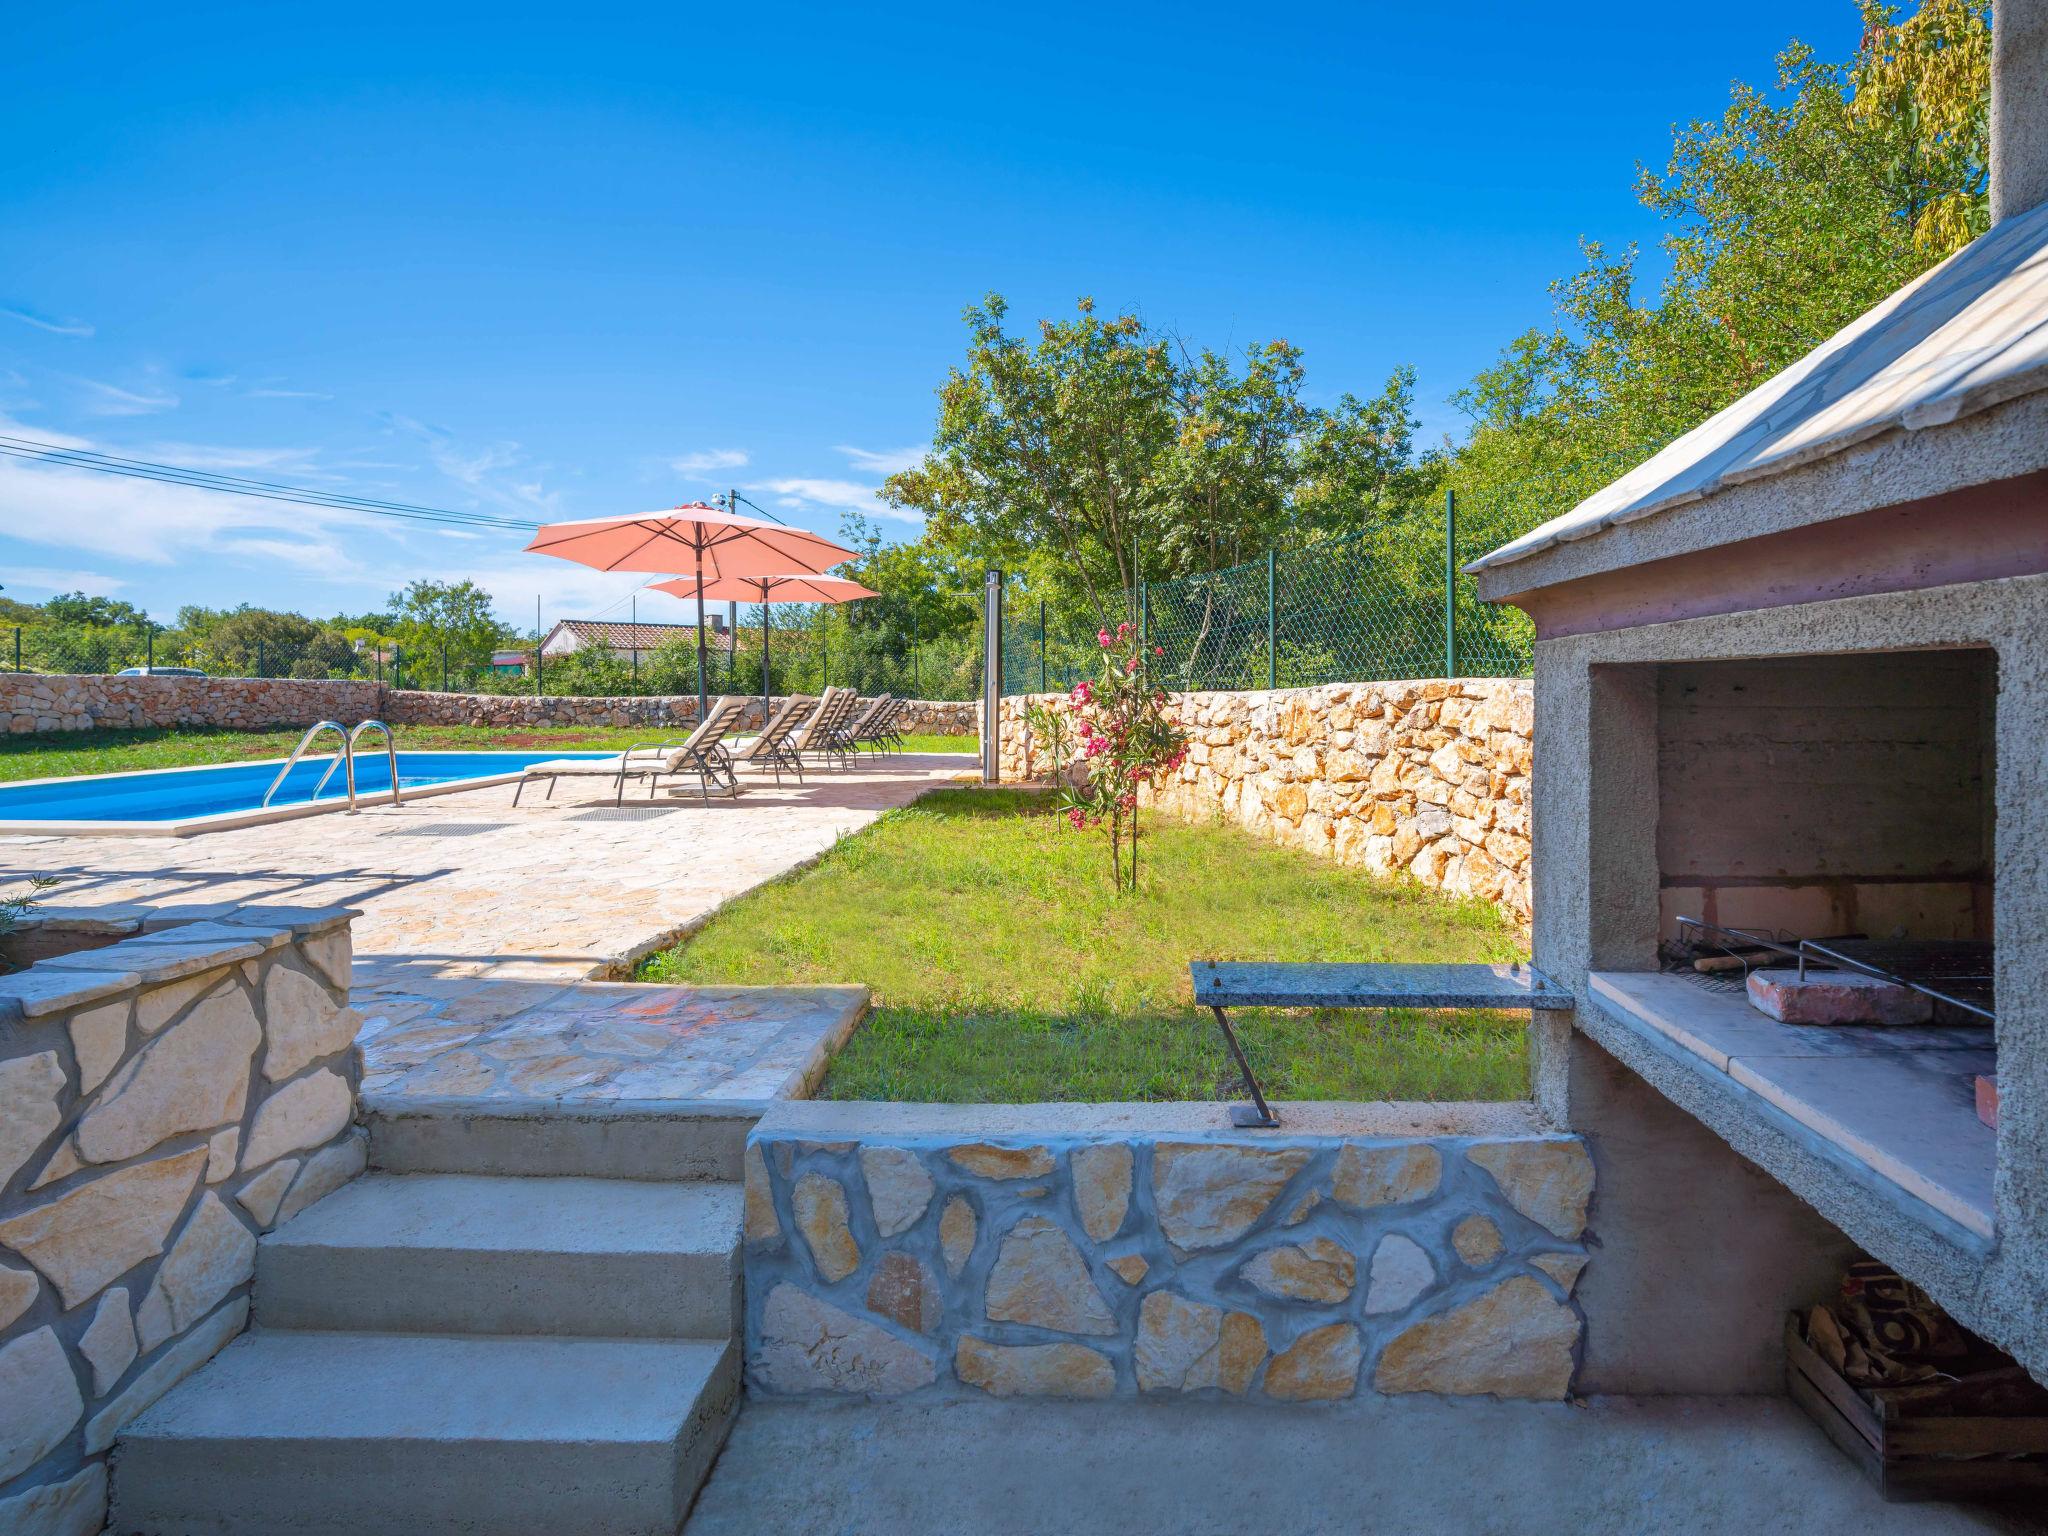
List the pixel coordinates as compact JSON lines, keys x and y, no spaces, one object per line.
{"x":13,"y":427}
{"x":844,"y":495}
{"x":708,"y":461}
{"x":882,"y":461}
{"x":230,"y":460}
{"x":51,"y":323}
{"x":44,"y":578}
{"x":102,"y":399}
{"x":286,"y":394}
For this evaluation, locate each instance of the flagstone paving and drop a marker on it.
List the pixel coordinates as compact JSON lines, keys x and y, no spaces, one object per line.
{"x":490,"y":933}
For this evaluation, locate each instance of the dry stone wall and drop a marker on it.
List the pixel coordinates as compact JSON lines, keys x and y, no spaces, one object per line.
{"x":44,"y":702}
{"x":405,"y":707}
{"x":1427,"y":778}
{"x":173,"y":1083}
{"x":1277,"y":1269}
{"x":31,"y":701}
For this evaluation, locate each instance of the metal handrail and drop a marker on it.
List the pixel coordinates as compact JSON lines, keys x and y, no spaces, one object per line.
{"x":390,"y":756}
{"x":345,"y":755}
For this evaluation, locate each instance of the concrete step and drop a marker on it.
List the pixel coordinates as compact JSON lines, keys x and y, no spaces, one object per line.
{"x":363,"y":1434}
{"x":647,"y":1139}
{"x":471,"y":1253}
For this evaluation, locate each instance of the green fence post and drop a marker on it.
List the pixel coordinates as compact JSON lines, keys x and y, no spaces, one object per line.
{"x":1272,"y":626}
{"x":444,"y":666}
{"x":149,"y":648}
{"x":1450,"y":583}
{"x":259,"y":660}
{"x":17,"y":647}
{"x":1041,"y":647}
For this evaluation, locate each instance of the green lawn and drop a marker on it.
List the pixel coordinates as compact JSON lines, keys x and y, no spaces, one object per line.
{"x":60,"y":753}
{"x":1004,"y":971}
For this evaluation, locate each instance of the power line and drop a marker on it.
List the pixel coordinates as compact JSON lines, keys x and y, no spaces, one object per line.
{"x":239,"y":485}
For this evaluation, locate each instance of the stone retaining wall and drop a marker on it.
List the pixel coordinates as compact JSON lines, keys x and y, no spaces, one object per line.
{"x":406,"y":707}
{"x":48,"y":702}
{"x":173,"y":1082}
{"x":40,"y":702}
{"x":891,"y":1251}
{"x":1429,"y":778}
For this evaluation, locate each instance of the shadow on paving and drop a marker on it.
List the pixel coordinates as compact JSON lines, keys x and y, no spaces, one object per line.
{"x":1413,"y":1467}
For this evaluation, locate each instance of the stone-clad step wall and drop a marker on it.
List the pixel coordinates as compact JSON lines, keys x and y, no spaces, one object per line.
{"x":67,"y":702}
{"x":173,"y":1082}
{"x":1429,"y":778}
{"x":890,"y":1251}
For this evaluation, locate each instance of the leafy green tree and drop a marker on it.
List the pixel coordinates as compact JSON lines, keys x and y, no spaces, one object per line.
{"x":1050,"y":446}
{"x":429,"y":616}
{"x":1791,"y":214}
{"x":99,"y":612}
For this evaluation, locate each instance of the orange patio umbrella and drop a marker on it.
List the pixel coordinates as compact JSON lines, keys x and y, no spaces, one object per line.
{"x":765,"y":590}
{"x":713,"y":542}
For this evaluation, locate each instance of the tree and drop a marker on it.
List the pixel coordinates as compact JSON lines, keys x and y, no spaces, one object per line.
{"x":1051,"y":446}
{"x":1791,"y":214}
{"x":99,"y":612}
{"x":429,"y":616}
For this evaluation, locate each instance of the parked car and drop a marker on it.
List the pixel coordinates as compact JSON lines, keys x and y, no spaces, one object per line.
{"x":159,"y":672}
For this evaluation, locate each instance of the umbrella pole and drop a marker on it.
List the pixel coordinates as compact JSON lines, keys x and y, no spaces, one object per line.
{"x":764,"y":656}
{"x":703,"y":704}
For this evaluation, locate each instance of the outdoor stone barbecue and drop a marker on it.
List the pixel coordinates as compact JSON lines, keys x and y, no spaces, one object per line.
{"x":173,"y":1082}
{"x":1429,"y":778}
{"x":1127,"y":1250}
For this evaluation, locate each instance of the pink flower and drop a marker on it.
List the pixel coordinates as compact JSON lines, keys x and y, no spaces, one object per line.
{"x":1084,"y":692}
{"x":1158,"y":650}
{"x":1103,"y":638}
{"x":1123,"y":629}
{"x":1077,"y":819}
{"x":1095,"y":746}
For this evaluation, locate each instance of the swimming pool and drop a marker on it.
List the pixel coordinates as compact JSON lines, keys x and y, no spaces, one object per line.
{"x":179,"y":801}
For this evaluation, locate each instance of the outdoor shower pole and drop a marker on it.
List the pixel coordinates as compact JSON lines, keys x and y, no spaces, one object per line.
{"x":991,"y":677}
{"x":1450,"y":582}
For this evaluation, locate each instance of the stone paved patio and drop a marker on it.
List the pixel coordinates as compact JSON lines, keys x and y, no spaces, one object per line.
{"x":490,"y":934}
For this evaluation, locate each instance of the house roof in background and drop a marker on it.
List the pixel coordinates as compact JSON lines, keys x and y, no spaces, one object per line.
{"x":631,"y":637}
{"x":1970,"y":334}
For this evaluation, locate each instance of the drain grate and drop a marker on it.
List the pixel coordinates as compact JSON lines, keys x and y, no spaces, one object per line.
{"x":448,"y":829}
{"x":627,"y":812}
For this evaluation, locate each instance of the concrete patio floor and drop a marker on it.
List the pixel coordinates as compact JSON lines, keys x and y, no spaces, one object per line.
{"x":1416,"y":1467}
{"x":491,"y":935}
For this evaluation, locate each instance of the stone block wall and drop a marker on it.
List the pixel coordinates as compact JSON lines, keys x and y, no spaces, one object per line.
{"x":1427,"y":778}
{"x":1121,"y":1262}
{"x":32,"y":701}
{"x":173,"y":1082}
{"x":407,"y":707}
{"x":43,"y":702}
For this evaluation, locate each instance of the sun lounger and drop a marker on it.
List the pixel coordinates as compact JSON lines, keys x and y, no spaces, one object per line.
{"x":818,"y":737}
{"x":771,"y":748}
{"x":886,"y":729}
{"x":859,"y":726}
{"x":701,"y":754}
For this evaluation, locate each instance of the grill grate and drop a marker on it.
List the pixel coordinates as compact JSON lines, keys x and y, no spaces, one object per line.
{"x":628,"y":812}
{"x":447,"y":829}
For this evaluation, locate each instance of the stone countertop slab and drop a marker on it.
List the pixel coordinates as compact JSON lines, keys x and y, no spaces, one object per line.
{"x":1897,"y":1101}
{"x":1350,"y":985}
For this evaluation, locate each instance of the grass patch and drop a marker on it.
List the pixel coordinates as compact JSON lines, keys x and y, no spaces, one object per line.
{"x":68,"y":753}
{"x":1005,"y":971}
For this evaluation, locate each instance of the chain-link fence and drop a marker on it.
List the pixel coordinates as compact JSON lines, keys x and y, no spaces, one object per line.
{"x":1385,"y":602}
{"x":803,"y":657}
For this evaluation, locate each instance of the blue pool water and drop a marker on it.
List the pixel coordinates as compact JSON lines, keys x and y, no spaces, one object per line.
{"x":182,"y":794}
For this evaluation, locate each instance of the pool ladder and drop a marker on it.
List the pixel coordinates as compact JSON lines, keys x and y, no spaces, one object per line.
{"x":345,"y":759}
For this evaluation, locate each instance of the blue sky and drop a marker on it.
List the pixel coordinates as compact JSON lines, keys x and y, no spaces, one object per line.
{"x":568,"y":261}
